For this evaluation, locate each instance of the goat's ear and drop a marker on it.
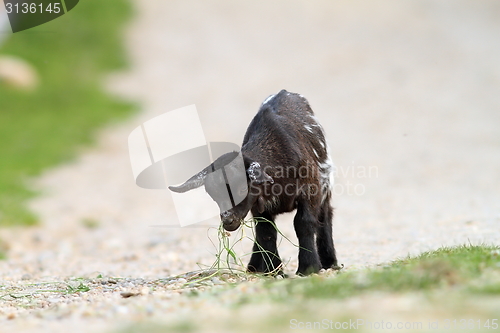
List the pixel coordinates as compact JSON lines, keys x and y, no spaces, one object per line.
{"x":257,"y":175}
{"x":193,"y":182}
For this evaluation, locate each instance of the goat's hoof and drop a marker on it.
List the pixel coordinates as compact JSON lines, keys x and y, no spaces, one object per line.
{"x":281,"y":275}
{"x":306,"y":274}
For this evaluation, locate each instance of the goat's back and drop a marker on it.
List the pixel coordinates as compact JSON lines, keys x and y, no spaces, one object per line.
{"x":285,"y":131}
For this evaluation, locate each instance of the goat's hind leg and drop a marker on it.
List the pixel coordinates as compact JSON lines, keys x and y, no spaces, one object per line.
{"x":324,"y":237}
{"x":306,"y":223}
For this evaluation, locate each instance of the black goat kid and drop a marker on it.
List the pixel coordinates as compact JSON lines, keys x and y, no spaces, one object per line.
{"x":286,"y":167}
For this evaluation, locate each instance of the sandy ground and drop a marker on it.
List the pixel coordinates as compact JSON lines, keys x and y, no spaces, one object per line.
{"x":408,"y":94}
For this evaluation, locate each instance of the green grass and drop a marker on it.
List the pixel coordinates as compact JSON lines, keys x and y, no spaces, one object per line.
{"x":227,"y":262}
{"x":42,"y":128}
{"x":450,"y":287}
{"x":181,"y":326}
{"x":3,"y":249}
{"x":452,"y":268}
{"x":447,"y":267}
{"x":463,"y":270}
{"x":30,"y":290}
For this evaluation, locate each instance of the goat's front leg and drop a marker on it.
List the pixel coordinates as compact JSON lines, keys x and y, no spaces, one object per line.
{"x":305,"y":223}
{"x":265,"y":257}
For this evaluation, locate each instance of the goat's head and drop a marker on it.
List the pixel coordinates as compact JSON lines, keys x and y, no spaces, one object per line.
{"x":234,"y":183}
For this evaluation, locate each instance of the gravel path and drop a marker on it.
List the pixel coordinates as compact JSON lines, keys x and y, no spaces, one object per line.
{"x":408,"y":93}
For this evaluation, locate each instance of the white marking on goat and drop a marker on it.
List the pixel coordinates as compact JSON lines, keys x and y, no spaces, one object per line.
{"x":316,"y":122}
{"x":268,"y":99}
{"x":326,"y":174}
{"x":225,"y":214}
{"x":308,"y":128}
{"x":315,"y":153}
{"x":251,"y":170}
{"x":271,"y":203}
{"x":304,"y":99}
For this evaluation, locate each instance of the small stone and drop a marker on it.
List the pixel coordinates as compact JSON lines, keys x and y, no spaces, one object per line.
{"x":216,"y":280}
{"x":53,"y":300}
{"x":127,"y":294}
{"x":62,"y":306}
{"x":130,"y":257}
{"x":74,"y":284}
{"x":150,"y":309}
{"x":26,"y":277}
{"x":11,"y":316}
{"x":121,"y":309}
{"x":88,"y":313}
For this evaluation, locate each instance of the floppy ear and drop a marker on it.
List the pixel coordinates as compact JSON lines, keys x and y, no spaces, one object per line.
{"x":257,"y":175}
{"x":193,"y":182}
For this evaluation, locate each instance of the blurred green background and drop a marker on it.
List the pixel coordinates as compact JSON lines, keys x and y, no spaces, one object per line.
{"x":44,"y":125}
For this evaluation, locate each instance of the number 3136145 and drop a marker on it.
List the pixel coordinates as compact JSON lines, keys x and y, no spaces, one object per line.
{"x":25,"y":8}
{"x":470,"y":324}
